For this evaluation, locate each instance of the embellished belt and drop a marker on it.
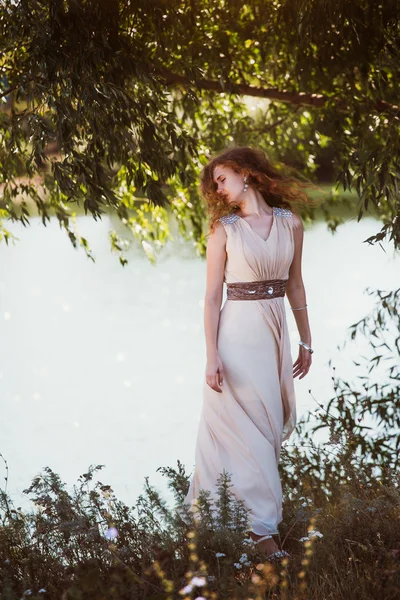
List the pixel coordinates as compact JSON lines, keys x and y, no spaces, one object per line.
{"x":256,"y":290}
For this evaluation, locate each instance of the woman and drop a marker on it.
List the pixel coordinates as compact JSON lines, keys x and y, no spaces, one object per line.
{"x":248,"y":397}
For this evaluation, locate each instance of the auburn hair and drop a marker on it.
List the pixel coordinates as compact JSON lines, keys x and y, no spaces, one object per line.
{"x":276,"y":188}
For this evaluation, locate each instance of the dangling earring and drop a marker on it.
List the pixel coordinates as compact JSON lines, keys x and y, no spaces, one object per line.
{"x":246,"y":185}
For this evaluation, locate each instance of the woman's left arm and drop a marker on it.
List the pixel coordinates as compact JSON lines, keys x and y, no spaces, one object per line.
{"x":296,"y":295}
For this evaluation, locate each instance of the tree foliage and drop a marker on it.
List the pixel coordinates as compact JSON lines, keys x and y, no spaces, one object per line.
{"x":115,"y":105}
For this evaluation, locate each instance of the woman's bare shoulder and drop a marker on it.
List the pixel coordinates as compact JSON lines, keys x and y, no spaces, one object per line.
{"x":218,"y":234}
{"x":297,"y":222}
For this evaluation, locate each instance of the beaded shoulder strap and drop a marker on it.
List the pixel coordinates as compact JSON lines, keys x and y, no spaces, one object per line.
{"x":229,"y":218}
{"x":282,"y":212}
{"x":278,"y":210}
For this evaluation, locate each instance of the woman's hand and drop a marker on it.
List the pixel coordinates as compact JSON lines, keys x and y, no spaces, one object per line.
{"x":303,"y":363}
{"x":214,"y":373}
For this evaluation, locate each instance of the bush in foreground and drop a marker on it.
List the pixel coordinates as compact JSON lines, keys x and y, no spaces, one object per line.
{"x":88,"y":544}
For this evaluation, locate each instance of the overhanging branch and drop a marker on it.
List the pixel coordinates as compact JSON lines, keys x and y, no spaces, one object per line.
{"x":243,"y":89}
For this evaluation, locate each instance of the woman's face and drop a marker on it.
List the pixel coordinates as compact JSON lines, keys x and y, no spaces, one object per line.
{"x":229,"y":184}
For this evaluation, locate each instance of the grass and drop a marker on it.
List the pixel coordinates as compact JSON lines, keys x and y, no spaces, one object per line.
{"x":88,"y":544}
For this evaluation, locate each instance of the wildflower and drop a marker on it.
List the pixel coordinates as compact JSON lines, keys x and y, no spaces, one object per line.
{"x":42,"y":591}
{"x":243,"y":558}
{"x":198,"y":581}
{"x":219,"y":554}
{"x":306,"y":502}
{"x":313,"y":532}
{"x":111,"y":533}
{"x":249,"y":541}
{"x":304,"y":539}
{"x":237,"y":565}
{"x":200,"y":598}
{"x":187,"y":589}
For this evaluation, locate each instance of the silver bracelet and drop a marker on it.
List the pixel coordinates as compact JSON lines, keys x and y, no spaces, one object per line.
{"x":301,"y":308}
{"x":306,"y":346}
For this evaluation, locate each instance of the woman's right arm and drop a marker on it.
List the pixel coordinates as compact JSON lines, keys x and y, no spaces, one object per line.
{"x":216,"y":258}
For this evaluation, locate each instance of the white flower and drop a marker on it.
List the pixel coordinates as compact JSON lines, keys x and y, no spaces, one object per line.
{"x":306,"y":501}
{"x":7,"y":561}
{"x":111,"y":533}
{"x":42,"y":591}
{"x":247,"y":563}
{"x":187,"y":589}
{"x":249,"y":541}
{"x":219,"y":554}
{"x":237,"y":565}
{"x":200,"y":598}
{"x":304,"y":539}
{"x":243,"y":558}
{"x":313,"y":532}
{"x":198,"y":581}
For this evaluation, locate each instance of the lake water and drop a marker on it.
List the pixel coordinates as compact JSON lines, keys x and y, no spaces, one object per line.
{"x":101,"y":364}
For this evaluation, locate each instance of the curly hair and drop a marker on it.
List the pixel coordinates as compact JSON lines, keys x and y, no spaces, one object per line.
{"x":276,"y":188}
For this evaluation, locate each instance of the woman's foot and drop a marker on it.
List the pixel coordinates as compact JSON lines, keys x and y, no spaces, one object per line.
{"x":267,"y":547}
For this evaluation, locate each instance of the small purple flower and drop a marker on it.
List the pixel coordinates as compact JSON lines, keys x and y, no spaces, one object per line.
{"x":198,"y":581}
{"x":111,"y":533}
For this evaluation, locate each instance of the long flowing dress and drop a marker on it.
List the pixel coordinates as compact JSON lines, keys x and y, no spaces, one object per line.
{"x":242,"y":428}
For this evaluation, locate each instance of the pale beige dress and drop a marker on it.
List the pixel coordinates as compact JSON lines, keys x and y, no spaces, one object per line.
{"x":242,"y":428}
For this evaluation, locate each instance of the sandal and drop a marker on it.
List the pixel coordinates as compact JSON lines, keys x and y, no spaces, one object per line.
{"x":275,"y":555}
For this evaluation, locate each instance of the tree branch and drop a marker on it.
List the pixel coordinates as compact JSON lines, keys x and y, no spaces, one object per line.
{"x":15,"y":87}
{"x":243,"y":89}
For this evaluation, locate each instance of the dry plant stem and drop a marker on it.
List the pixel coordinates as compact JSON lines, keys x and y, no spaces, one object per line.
{"x":290,"y":529}
{"x":127,"y":567}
